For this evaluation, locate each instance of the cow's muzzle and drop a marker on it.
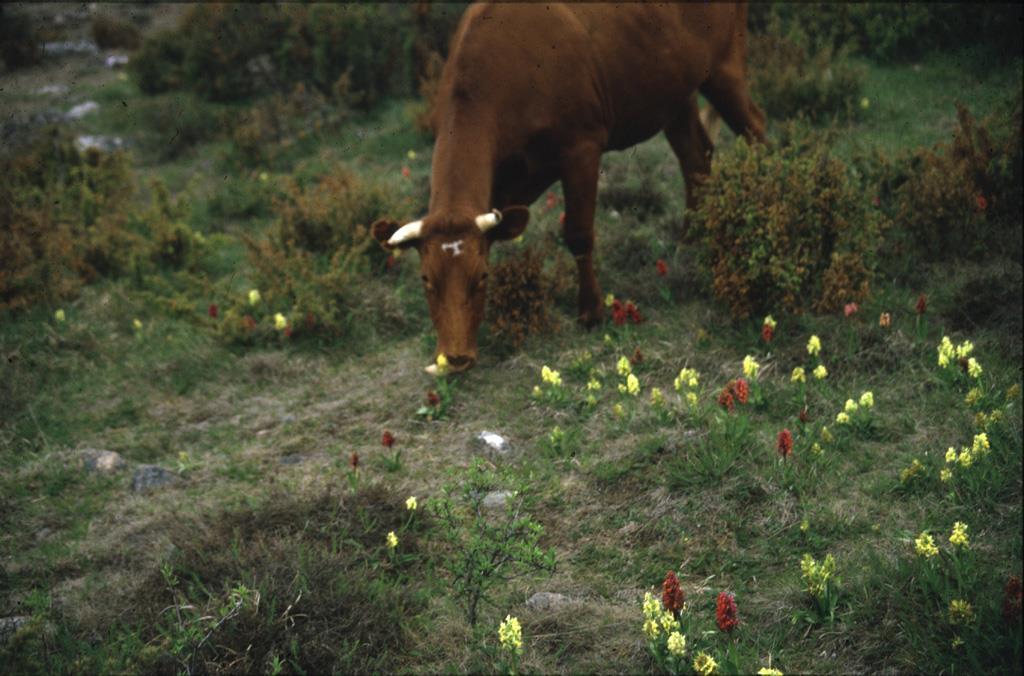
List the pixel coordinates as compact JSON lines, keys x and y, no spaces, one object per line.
{"x":456,"y":364}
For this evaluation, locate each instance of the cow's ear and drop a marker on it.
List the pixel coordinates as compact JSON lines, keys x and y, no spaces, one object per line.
{"x":513,"y":223}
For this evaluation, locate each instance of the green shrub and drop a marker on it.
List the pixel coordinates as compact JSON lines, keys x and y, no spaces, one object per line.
{"x":110,"y":32}
{"x":787,"y":78}
{"x":956,"y":199}
{"x":177,"y":122}
{"x":157,"y":66}
{"x":19,"y":41}
{"x":784,"y":227}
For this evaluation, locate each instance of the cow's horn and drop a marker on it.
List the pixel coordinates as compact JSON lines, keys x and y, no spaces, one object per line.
{"x":407,"y":232}
{"x":487,"y":221}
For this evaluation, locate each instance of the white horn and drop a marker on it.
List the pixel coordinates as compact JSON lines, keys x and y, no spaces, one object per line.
{"x":487,"y":221}
{"x":407,"y":232}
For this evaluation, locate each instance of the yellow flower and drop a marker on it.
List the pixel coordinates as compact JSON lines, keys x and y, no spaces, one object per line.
{"x":704,"y":664}
{"x":911,"y":472}
{"x":973,"y":368}
{"x":851,"y":406}
{"x":652,"y":607}
{"x":980,"y":446}
{"x":805,"y":525}
{"x":960,"y":612}
{"x":411,"y":154}
{"x":814,"y":346}
{"x":842,"y":418}
{"x":945,"y":474}
{"x":799,"y":375}
{"x":623,"y":367}
{"x":959,"y":536}
{"x":264,"y":176}
{"x":820,"y":372}
{"x":1012,"y":391}
{"x":865,"y":103}
{"x":957,"y":643}
{"x":137,"y":324}
{"x":867,"y":399}
{"x":973,"y":396}
{"x":966,"y":458}
{"x":254,"y":296}
{"x":511,"y":634}
{"x":551,"y":376}
{"x":816,"y":575}
{"x":668,"y":622}
{"x":607,"y":339}
{"x":946,"y":351}
{"x":964,"y":349}
{"x":826,"y":436}
{"x":951,"y":454}
{"x":691,"y":398}
{"x":770,"y":321}
{"x":632,"y":385}
{"x":651,"y":629}
{"x":816,"y":448}
{"x":442,"y":364}
{"x":677,"y":644}
{"x":59,"y":315}
{"x":925,"y":546}
{"x":750,"y":367}
{"x":609,"y":300}
{"x":593,"y":385}
{"x":656,"y":397}
{"x":768,"y":671}
{"x":280,"y":323}
{"x":618,"y":410}
{"x":536,"y":391}
{"x":689,"y":377}
{"x":392,"y":540}
{"x":410,"y":503}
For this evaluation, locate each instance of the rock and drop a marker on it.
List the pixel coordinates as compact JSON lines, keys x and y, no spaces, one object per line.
{"x":288,"y":418}
{"x":55,"y":89}
{"x":547,"y":601}
{"x":147,"y":477}
{"x":68,"y":47}
{"x":493,"y":444}
{"x":106,"y":144}
{"x":496,"y":499}
{"x":292,"y":459}
{"x":102,"y":461}
{"x":9,"y":625}
{"x":116,"y":60}
{"x":81,"y":110}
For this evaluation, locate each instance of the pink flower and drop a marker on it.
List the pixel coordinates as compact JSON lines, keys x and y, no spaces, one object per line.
{"x":406,"y":172}
{"x":850,"y":309}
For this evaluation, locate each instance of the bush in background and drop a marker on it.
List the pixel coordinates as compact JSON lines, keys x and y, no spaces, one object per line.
{"x":520,"y":296}
{"x":784,"y":227}
{"x":110,"y":32}
{"x":19,"y":42}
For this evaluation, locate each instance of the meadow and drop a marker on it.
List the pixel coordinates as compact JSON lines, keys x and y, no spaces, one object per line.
{"x":824,"y":477}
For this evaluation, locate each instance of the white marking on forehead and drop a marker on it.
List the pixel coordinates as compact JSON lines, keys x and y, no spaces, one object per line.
{"x":455,"y":247}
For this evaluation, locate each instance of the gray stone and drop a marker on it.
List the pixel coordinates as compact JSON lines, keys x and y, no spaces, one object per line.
{"x":496,"y":499}
{"x":147,"y":477}
{"x":292,"y":459}
{"x":10,"y":625}
{"x":69,"y":47}
{"x":288,"y":418}
{"x":547,"y":601}
{"x":81,"y":110}
{"x":106,"y":144}
{"x":493,"y":444}
{"x":116,"y":60}
{"x":55,"y":89}
{"x":102,"y":461}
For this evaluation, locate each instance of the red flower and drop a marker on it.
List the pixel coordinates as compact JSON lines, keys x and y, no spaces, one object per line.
{"x":618,"y":313}
{"x":248,"y":322}
{"x":922,"y":304}
{"x":804,"y":415}
{"x":741,"y":390}
{"x":633,"y":313}
{"x":433,"y":398}
{"x":767,"y":333}
{"x":850,"y":309}
{"x":661,"y":267}
{"x":637,"y":357}
{"x":212,"y":310}
{"x":982,"y":203}
{"x":1012,"y":599}
{"x":406,"y":172}
{"x":561,"y":219}
{"x":785,"y":443}
{"x":551,"y":201}
{"x":387,"y":439}
{"x":725,"y":399}
{"x":353,"y":460}
{"x":288,"y":331}
{"x":726,"y":612}
{"x":672,"y":596}
{"x":389,"y":262}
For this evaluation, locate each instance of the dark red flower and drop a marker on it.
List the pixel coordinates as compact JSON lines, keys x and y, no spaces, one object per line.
{"x":387,"y":439}
{"x":637,"y":357}
{"x":406,"y":172}
{"x":725,"y":399}
{"x":561,"y":219}
{"x":248,"y":322}
{"x":726,"y":613}
{"x":353,"y":460}
{"x":618,"y":313}
{"x":804,"y":415}
{"x":661,"y":267}
{"x":389,"y":262}
{"x":767,"y":333}
{"x":433,"y":398}
{"x":785,"y":443}
{"x":1012,"y":600}
{"x":551,"y":201}
{"x":922,"y":304}
{"x":212,"y":310}
{"x":288,"y":331}
{"x":672,"y":596}
{"x":741,"y":390}
{"x":633,"y":313}
{"x":982,"y":203}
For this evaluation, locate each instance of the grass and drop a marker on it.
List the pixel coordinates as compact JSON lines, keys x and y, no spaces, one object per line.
{"x":264,"y":499}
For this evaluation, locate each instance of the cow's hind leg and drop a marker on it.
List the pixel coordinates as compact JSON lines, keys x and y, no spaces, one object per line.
{"x":579,"y":169}
{"x":693,"y":147}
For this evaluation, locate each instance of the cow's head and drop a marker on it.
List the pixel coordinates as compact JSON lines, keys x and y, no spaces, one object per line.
{"x":453,"y":268}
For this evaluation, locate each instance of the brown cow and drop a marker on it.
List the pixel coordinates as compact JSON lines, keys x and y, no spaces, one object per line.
{"x":534,"y":93}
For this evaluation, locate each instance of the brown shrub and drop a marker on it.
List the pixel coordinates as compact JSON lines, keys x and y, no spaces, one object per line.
{"x":520,"y":296}
{"x":279,"y":121}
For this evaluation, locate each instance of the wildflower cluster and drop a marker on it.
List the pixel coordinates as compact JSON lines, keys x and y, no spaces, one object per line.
{"x":768,"y":329}
{"x":688,"y":380}
{"x":980,"y":447}
{"x":630,"y":384}
{"x":510,"y":635}
{"x":959,"y":355}
{"x":623,"y":312}
{"x":439,"y":398}
{"x":857,"y":413}
{"x":735,"y":392}
{"x":551,"y":390}
{"x":822,"y":584}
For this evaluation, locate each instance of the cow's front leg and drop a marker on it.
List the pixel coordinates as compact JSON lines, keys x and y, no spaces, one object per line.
{"x":579,"y":169}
